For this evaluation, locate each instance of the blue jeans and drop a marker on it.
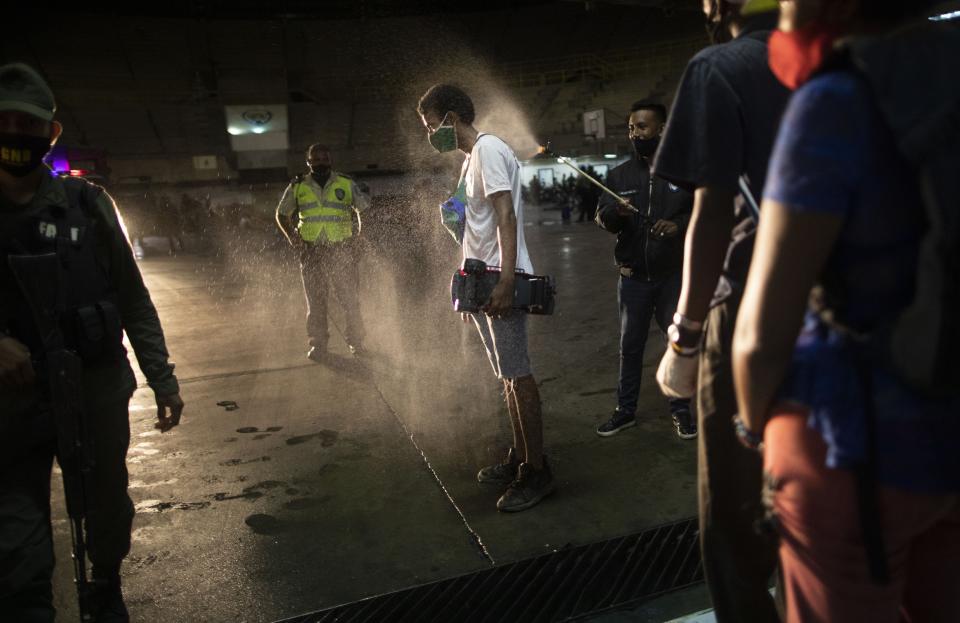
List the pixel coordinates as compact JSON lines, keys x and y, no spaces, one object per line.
{"x":640,"y":302}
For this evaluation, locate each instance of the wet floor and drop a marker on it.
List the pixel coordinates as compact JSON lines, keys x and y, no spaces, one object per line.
{"x":291,"y":486}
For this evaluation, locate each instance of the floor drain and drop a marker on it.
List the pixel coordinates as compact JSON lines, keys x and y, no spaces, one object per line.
{"x":565,"y":585}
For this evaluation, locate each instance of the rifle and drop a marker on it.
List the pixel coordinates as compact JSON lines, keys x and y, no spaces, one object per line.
{"x":39,"y":278}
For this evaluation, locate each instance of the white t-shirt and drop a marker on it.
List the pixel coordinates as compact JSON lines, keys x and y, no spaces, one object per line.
{"x":491,"y":167}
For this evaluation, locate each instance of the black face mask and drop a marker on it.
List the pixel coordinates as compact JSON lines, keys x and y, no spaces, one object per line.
{"x":21,"y":154}
{"x":646,"y":147}
{"x":320,"y":173}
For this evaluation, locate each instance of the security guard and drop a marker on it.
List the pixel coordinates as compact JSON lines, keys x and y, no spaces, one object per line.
{"x":101,"y":295}
{"x":319,"y":214}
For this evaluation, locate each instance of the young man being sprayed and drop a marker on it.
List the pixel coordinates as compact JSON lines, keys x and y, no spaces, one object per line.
{"x":491,"y":229}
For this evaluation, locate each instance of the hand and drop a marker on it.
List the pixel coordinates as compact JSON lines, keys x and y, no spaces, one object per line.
{"x":16,"y":369}
{"x":625,"y":208}
{"x":174,"y":404}
{"x":501,"y":300}
{"x":677,"y":374}
{"x":664,"y":229}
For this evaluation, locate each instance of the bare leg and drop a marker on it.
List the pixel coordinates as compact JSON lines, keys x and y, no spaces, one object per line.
{"x":527,"y":398}
{"x":511,"y":398}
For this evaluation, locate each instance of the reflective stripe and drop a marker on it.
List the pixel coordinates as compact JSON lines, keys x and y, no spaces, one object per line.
{"x":324,"y":219}
{"x":337,"y":206}
{"x":308,"y":205}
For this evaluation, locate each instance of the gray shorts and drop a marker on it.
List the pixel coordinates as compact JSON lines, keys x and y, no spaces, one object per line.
{"x":506,"y":342}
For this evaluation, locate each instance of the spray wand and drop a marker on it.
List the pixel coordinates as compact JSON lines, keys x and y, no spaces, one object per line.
{"x":545,"y":149}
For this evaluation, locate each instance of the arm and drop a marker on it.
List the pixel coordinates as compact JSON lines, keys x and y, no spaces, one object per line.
{"x":361,"y":197}
{"x":361,"y":201}
{"x":502,"y":298}
{"x":610,"y":214}
{"x":707,"y":239}
{"x":139,"y":318}
{"x":286,"y":210}
{"x":677,"y":224}
{"x":790,"y":253}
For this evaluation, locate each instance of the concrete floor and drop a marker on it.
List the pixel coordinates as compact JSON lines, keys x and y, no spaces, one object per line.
{"x":313,"y":492}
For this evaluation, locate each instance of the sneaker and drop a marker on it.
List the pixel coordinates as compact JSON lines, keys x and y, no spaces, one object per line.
{"x":617,"y":422}
{"x":357,"y":350}
{"x":686,"y":425}
{"x":317,"y":354}
{"x":503,"y":473}
{"x":531,"y":486}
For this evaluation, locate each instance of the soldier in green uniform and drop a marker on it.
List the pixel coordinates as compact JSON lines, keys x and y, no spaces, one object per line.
{"x":101,"y":294}
{"x":319,"y":214}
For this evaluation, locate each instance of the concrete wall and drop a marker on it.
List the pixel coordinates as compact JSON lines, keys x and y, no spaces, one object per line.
{"x":166,"y":170}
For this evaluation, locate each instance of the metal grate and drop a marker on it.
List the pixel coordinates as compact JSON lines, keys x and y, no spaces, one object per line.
{"x":565,"y":585}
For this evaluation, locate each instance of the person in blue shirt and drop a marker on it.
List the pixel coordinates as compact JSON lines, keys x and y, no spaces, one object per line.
{"x":862,"y":471}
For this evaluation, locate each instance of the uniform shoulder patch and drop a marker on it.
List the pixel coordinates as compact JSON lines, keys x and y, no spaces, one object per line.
{"x":340,"y":193}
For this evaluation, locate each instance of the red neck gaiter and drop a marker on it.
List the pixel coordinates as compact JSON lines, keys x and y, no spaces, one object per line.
{"x":795,"y":56}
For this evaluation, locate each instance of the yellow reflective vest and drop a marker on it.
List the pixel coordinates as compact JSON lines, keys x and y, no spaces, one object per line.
{"x":327,"y":218}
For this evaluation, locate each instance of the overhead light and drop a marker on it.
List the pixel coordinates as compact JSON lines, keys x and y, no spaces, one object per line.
{"x":610,"y":156}
{"x":257,"y":129}
{"x":943,"y":17}
{"x":560,"y":160}
{"x":234,"y":131}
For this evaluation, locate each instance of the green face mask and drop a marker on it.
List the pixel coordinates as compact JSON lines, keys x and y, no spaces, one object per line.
{"x":444,"y":138}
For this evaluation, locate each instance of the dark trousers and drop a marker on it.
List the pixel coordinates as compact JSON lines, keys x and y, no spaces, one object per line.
{"x":737,"y":560}
{"x":26,"y":542}
{"x":326,"y":269}
{"x":640,"y":302}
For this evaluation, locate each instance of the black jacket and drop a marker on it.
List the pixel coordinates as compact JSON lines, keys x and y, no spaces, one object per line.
{"x":115,"y":257}
{"x":648,"y":257}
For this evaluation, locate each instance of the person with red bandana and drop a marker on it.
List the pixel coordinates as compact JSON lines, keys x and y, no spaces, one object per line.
{"x":717,"y":140}
{"x":854,"y":391}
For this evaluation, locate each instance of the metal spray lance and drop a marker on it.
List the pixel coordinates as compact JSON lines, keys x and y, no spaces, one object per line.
{"x":545,"y":149}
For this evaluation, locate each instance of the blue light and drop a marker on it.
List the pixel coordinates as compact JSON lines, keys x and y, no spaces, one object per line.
{"x":943,"y":17}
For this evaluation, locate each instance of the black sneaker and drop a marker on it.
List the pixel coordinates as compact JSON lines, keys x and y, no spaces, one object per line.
{"x":531,"y":486}
{"x":686,"y":425}
{"x":617,"y":422}
{"x":503,"y":473}
{"x":317,"y":354}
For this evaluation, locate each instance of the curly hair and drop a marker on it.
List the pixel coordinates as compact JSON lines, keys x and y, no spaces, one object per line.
{"x":444,"y":98}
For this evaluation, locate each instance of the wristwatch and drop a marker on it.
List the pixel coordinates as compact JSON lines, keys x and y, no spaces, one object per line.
{"x":684,"y":334}
{"x":747,"y":438}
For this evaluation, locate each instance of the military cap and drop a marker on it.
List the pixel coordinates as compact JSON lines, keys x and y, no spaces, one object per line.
{"x":24,"y":90}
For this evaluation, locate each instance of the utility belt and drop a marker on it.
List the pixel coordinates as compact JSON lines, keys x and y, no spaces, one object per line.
{"x":94,"y":332}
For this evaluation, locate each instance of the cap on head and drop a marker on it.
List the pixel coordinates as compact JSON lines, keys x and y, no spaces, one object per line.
{"x":751,"y":7}
{"x":24,"y":90}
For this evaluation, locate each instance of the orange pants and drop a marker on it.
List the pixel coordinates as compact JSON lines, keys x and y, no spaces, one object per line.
{"x":821,"y":549}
